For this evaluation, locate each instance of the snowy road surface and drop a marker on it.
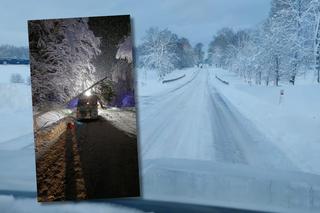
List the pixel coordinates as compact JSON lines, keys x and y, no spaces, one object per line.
{"x":194,"y":121}
{"x":93,"y":159}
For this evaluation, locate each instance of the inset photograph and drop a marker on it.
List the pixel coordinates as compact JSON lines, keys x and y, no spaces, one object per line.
{"x":84,"y":111}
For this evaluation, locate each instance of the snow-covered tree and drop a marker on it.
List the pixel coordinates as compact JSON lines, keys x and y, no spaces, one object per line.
{"x":158,"y":51}
{"x":61,"y":52}
{"x":10,"y":51}
{"x":281,"y":48}
{"x":198,"y":54}
{"x":185,"y":54}
{"x":16,"y":78}
{"x":294,"y":21}
{"x":125,"y":50}
{"x":218,"y":51}
{"x":314,"y":16}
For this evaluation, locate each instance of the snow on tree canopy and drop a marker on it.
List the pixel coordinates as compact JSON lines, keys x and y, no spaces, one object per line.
{"x":283,"y":47}
{"x":159,"y":51}
{"x":125,"y":50}
{"x":61,"y":51}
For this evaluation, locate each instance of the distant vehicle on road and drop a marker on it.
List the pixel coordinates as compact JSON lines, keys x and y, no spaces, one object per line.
{"x":87,"y":108}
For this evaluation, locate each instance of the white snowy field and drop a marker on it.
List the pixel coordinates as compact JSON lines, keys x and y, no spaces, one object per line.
{"x":15,"y":103}
{"x":16,"y":141}
{"x":7,"y":70}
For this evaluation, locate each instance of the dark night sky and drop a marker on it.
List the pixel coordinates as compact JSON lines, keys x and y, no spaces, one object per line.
{"x":111,"y":30}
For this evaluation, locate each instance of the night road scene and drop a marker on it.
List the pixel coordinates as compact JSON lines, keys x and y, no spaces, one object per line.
{"x":84,"y":108}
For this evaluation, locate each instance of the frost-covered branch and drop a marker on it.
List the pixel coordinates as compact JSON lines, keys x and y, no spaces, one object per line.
{"x":125,"y":50}
{"x":61,"y":54}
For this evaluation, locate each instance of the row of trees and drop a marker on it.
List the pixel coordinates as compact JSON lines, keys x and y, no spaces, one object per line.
{"x":10,"y":51}
{"x":164,"y":51}
{"x":18,"y":79}
{"x":284,"y":46}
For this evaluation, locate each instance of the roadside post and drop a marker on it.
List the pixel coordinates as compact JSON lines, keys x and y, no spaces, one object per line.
{"x":281,"y":96}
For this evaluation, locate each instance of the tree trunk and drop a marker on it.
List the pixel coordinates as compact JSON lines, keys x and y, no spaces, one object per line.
{"x":293,"y":79}
{"x":295,"y":69}
{"x":277,"y":71}
{"x":318,"y":60}
{"x":296,"y":55}
{"x":259,"y":78}
{"x":317,"y":49}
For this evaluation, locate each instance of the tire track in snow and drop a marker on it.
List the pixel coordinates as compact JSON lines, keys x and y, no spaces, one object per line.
{"x":256,"y":149}
{"x":226,"y":147}
{"x":178,"y":120}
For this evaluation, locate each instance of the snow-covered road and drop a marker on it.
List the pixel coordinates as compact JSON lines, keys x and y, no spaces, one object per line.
{"x":194,"y":121}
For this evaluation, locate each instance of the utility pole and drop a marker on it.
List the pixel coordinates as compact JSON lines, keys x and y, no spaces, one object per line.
{"x":98,"y":82}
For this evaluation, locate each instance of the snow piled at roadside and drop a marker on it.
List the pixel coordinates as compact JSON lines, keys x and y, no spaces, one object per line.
{"x":149,"y":84}
{"x":229,"y":185}
{"x":293,"y":125}
{"x":51,"y":117}
{"x":123,"y":119}
{"x":9,"y":204}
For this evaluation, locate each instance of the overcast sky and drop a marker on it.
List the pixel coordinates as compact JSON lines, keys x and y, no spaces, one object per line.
{"x":195,"y":20}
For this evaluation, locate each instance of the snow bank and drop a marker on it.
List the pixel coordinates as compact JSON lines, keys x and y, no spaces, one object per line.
{"x":51,"y":117}
{"x":149,"y":84}
{"x":123,"y":119}
{"x":292,"y":125}
{"x":9,"y":204}
{"x":173,"y":79}
{"x":239,"y":186}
